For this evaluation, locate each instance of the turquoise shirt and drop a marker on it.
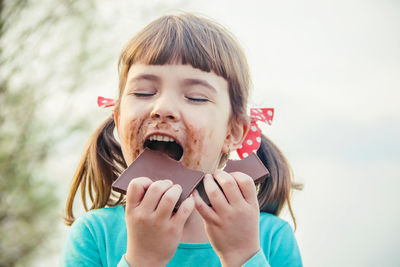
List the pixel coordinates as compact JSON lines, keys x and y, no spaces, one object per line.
{"x":98,"y":238}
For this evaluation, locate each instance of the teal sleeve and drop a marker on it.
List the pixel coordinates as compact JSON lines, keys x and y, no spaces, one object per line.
{"x":284,"y":249}
{"x":81,"y":248}
{"x":279,"y":248}
{"x":258,"y":260}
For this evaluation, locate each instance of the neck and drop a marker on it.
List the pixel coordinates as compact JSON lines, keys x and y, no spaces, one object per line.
{"x":194,"y":230}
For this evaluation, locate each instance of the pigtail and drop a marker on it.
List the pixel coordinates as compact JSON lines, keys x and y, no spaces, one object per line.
{"x":101,"y":164}
{"x":275,"y":191}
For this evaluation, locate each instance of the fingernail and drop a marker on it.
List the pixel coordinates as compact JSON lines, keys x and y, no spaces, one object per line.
{"x":169,"y":182}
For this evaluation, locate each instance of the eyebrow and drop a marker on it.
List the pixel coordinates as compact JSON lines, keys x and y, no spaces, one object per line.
{"x":148,"y":77}
{"x":186,"y":82}
{"x":190,"y":81}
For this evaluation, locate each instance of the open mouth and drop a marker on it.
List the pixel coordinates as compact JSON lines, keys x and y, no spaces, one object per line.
{"x":166,"y":145}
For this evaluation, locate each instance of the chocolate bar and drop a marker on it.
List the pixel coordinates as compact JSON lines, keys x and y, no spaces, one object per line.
{"x":158,"y":166}
{"x":251,"y":165}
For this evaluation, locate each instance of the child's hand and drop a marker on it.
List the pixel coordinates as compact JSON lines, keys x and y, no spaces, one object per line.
{"x":153,"y":231}
{"x":232,"y":223}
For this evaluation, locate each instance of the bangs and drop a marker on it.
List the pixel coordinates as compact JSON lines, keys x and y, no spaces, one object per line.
{"x":184,"y":39}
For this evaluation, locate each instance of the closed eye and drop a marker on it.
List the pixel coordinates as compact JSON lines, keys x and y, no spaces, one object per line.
{"x":197,"y":99}
{"x":142,"y":95}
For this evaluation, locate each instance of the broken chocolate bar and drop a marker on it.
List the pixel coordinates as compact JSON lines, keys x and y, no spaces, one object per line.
{"x":157,"y":166}
{"x":251,"y":165}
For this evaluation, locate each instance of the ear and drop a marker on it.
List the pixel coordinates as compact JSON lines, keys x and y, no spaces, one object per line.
{"x":237,"y":131}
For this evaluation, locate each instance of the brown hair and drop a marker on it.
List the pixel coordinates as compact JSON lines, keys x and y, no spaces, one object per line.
{"x":205,"y":45}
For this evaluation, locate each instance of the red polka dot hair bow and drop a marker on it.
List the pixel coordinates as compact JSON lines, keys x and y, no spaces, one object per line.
{"x":253,"y":138}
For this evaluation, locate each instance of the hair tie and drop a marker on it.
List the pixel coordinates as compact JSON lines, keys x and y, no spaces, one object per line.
{"x":252,"y":141}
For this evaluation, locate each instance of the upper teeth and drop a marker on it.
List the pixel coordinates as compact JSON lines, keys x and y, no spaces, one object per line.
{"x":163,"y":138}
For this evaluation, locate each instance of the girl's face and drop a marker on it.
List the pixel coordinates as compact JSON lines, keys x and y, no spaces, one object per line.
{"x":179,"y":110}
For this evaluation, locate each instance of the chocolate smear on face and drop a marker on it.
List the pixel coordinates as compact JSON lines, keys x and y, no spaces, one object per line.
{"x":193,"y":148}
{"x":133,"y":140}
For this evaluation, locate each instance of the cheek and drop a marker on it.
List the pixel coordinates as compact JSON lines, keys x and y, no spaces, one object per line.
{"x":202,"y":152}
{"x":131,"y":139}
{"x":193,"y":147}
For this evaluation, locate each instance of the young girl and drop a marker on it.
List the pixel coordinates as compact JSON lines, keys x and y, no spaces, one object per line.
{"x":183,"y":84}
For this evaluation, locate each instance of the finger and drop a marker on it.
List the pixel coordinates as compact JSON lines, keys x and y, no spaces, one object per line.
{"x":136,"y":190}
{"x":205,"y":211}
{"x":154,"y":194}
{"x":246,"y":186}
{"x":184,"y":211}
{"x":229,"y":187}
{"x":168,"y":201}
{"x":214,"y":193}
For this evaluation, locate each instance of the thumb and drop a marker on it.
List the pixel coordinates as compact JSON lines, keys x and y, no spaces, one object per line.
{"x":136,"y":190}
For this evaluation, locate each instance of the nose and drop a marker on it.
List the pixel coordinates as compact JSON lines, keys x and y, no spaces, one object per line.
{"x":165,"y":108}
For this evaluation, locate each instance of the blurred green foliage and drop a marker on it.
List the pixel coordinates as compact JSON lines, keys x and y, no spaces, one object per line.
{"x":32,"y":37}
